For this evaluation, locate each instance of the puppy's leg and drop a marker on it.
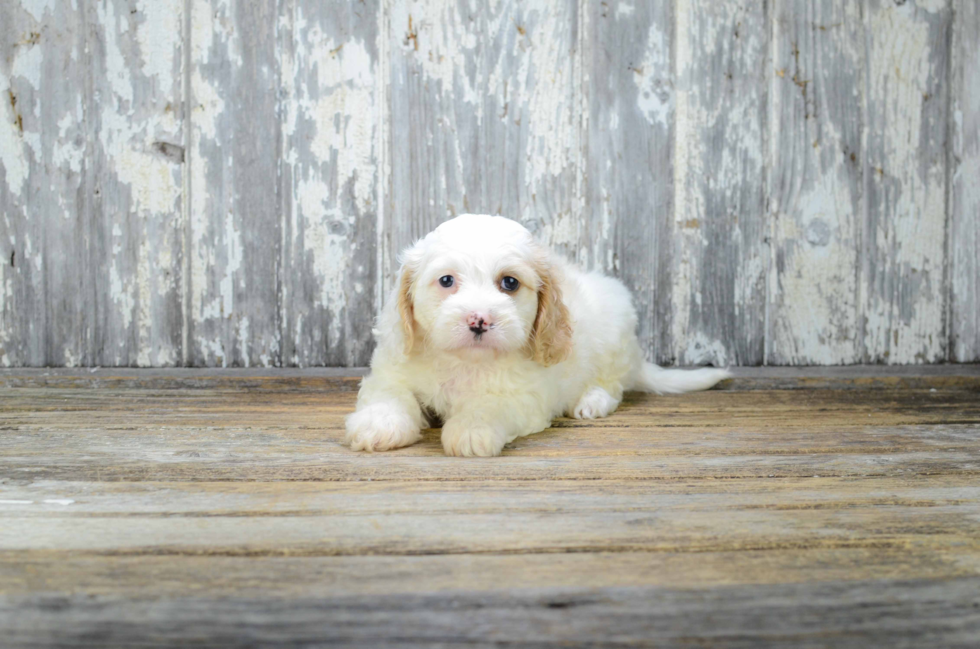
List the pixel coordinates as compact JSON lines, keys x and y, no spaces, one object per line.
{"x":388,"y":415}
{"x":482,"y":427}
{"x":595,"y":403}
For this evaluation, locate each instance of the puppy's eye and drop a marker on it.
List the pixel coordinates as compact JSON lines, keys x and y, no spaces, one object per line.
{"x":447,"y":281}
{"x":509,"y":284}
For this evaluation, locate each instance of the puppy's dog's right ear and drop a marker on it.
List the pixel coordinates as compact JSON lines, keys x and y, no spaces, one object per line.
{"x":411,"y":261}
{"x":406,"y":308}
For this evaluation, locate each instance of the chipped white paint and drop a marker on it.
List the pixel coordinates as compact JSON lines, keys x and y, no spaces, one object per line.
{"x":701,"y":349}
{"x":720,"y":261}
{"x":25,"y":67}
{"x":27,"y":64}
{"x":816,"y":202}
{"x":331,"y":122}
{"x":932,"y":6}
{"x":624,"y":9}
{"x":69,"y":149}
{"x":120,"y":288}
{"x":141,"y":184}
{"x":209,"y":23}
{"x":964,"y":200}
{"x":906,"y":175}
{"x":446,"y":36}
{"x":662,"y":142}
{"x":231,"y":236}
{"x":11,"y":143}
{"x":161,"y":19}
{"x":544,"y":73}
{"x":514,"y":148}
{"x":818,"y":323}
{"x":37,"y":8}
{"x":653,"y":97}
{"x":687,"y":162}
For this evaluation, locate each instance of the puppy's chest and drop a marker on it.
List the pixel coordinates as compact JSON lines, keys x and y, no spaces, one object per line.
{"x":457,"y":386}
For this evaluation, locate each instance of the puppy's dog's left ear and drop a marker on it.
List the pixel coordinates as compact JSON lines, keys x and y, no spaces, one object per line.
{"x":551,"y":337}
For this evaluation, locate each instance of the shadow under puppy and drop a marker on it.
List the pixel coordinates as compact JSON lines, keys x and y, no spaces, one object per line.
{"x":497,"y":335}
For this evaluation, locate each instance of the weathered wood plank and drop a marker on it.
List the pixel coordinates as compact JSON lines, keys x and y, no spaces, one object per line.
{"x":964,"y":200}
{"x":516,"y":518}
{"x":241,"y":515}
{"x":332,"y":116}
{"x":905,"y":180}
{"x":44,"y":571}
{"x":136,"y":243}
{"x":887,"y":613}
{"x":816,"y":182}
{"x":629,"y":167}
{"x":720,"y":221}
{"x":47,"y":220}
{"x":233,"y":236}
{"x":485,"y":117}
{"x":329,"y":379}
{"x":114,"y":500}
{"x":222,"y":435}
{"x":505,"y":532}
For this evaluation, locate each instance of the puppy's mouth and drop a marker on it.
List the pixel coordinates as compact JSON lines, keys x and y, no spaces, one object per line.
{"x":479,"y":330}
{"x":485,"y":338}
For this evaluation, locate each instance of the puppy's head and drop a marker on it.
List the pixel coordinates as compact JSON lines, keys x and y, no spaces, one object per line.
{"x":479,"y":286}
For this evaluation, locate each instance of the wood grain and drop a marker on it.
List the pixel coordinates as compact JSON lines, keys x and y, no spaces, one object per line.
{"x":816,"y":183}
{"x":719,"y":252}
{"x":332,"y":116}
{"x":774,"y":512}
{"x":485,"y":118}
{"x":136,"y":244}
{"x":905,"y":180}
{"x":203,"y":183}
{"x":233,"y":236}
{"x":964,"y":203}
{"x":48,"y":215}
{"x":888,"y":613}
{"x":630,"y":158}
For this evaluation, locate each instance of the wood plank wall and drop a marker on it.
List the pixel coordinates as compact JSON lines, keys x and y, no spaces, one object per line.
{"x":216,"y":183}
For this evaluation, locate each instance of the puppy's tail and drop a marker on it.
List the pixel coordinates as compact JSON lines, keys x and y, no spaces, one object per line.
{"x":653,"y":378}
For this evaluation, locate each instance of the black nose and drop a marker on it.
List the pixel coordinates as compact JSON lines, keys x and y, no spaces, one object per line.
{"x":479,"y":328}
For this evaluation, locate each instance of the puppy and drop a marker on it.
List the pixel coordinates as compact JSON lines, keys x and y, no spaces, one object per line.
{"x":496,"y":336}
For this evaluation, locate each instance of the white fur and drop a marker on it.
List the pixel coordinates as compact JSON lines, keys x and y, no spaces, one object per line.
{"x":507,"y":382}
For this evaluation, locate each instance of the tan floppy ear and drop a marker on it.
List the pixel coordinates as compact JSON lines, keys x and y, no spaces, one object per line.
{"x":551,"y":337}
{"x":406,"y":308}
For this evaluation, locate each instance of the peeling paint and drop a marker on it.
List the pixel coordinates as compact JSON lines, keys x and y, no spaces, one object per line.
{"x":11,"y":144}
{"x":331,"y":135}
{"x":816,"y":202}
{"x":161,"y":20}
{"x":347,"y":79}
{"x":624,"y":10}
{"x":701,"y":349}
{"x":653,"y":78}
{"x":964,"y":223}
{"x":37,"y":8}
{"x":396,"y":116}
{"x":905,"y":310}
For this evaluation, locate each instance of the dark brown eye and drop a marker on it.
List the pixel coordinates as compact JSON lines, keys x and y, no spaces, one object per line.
{"x":509,"y":284}
{"x":446,"y":281}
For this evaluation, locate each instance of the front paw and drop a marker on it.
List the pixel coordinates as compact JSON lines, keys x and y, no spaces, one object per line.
{"x":381,"y":427}
{"x":466,"y":437}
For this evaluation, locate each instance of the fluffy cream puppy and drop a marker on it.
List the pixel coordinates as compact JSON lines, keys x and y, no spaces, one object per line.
{"x":495,"y":335}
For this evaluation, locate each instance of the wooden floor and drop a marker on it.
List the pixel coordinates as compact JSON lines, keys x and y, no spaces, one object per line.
{"x":833,"y":508}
